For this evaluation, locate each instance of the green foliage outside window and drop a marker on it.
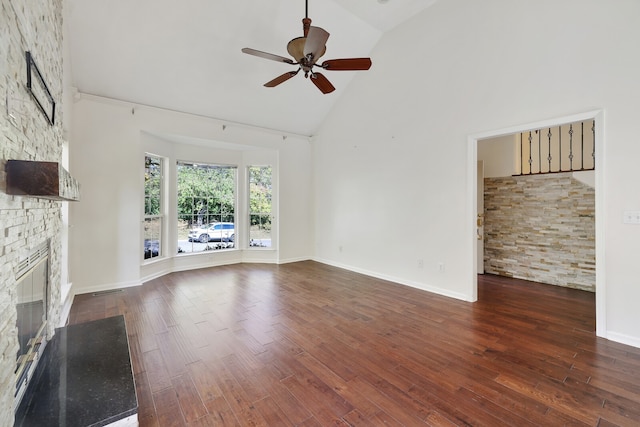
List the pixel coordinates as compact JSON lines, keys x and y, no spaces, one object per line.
{"x":206,"y":193}
{"x":152,"y":184}
{"x":260,"y":193}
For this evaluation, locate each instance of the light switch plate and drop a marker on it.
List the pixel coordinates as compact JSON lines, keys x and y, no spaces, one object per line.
{"x":631,"y":217}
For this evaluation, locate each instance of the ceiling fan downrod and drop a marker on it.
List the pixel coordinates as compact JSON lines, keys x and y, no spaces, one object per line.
{"x":306,"y":22}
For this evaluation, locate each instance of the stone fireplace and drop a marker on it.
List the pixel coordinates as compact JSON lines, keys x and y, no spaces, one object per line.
{"x":37,"y":309}
{"x":27,"y":222}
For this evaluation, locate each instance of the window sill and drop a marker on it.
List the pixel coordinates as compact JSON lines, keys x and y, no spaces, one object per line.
{"x":209,"y":252}
{"x":154,"y":260}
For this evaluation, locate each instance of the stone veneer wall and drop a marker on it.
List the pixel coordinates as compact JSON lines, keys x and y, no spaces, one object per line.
{"x":26,"y":222}
{"x":541,"y":228}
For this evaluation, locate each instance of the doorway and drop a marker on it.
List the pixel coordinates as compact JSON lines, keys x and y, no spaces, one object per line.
{"x":473,"y":194}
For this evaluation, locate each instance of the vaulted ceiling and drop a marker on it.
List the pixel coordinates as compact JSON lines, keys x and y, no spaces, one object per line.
{"x":186,"y":55}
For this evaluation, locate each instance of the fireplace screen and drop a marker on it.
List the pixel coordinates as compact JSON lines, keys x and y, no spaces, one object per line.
{"x":32,"y":278}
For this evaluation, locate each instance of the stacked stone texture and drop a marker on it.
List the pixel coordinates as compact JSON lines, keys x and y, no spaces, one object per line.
{"x":541,"y":228}
{"x":25,"y":134}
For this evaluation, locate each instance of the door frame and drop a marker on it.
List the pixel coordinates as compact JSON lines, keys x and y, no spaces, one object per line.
{"x":480,"y":217}
{"x":472,"y":185}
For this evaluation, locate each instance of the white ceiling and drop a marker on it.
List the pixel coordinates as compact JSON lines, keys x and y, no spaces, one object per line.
{"x":185,"y":55}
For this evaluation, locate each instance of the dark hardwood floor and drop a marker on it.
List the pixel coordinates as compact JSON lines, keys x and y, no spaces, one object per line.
{"x":312,"y":345}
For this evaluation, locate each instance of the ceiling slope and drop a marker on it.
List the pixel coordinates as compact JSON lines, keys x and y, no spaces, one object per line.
{"x":186,"y":56}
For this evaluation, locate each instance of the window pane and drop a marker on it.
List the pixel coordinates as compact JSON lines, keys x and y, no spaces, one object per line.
{"x":152,"y":235}
{"x":260,"y":193}
{"x":206,"y":198}
{"x":152,"y":184}
{"x":152,"y":232}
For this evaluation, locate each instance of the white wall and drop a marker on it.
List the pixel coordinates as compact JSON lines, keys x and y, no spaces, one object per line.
{"x":499,"y":155}
{"x":109,"y":139}
{"x":391,"y":161}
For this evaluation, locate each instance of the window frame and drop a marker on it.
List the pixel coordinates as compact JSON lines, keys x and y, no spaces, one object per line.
{"x":211,"y":245}
{"x":160,"y":216}
{"x":270,"y":214}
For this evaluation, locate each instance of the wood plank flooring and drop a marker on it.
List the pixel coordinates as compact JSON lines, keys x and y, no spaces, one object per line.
{"x":307,"y":344}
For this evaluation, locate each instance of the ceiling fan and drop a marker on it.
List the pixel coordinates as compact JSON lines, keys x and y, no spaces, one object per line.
{"x":306,"y":51}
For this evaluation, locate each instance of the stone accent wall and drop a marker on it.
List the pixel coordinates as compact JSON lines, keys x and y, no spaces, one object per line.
{"x":541,"y":228}
{"x":25,"y":134}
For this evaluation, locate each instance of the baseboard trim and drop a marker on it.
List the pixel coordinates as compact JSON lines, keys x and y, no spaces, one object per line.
{"x":109,"y":286}
{"x":68,"y":301}
{"x":290,"y":260}
{"x":393,"y":279}
{"x":624,"y":339}
{"x":397,"y":280}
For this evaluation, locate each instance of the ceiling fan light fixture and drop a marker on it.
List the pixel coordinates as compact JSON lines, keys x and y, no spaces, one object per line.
{"x":296,"y":48}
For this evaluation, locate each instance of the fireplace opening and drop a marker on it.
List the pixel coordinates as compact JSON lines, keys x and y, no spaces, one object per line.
{"x":32,"y":287}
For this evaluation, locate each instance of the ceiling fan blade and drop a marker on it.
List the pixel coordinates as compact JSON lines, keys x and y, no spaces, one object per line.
{"x":281,"y":79}
{"x":347,"y":64}
{"x":316,"y":41}
{"x":322,"y":83}
{"x":266,"y":55}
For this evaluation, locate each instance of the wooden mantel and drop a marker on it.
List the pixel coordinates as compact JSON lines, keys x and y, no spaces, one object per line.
{"x":47,"y":180}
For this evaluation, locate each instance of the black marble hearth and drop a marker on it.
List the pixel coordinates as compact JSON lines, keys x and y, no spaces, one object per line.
{"x":83,"y":379}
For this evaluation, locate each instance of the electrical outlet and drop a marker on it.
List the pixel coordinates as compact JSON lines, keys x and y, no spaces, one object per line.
{"x":420,"y":263}
{"x":441,"y":267}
